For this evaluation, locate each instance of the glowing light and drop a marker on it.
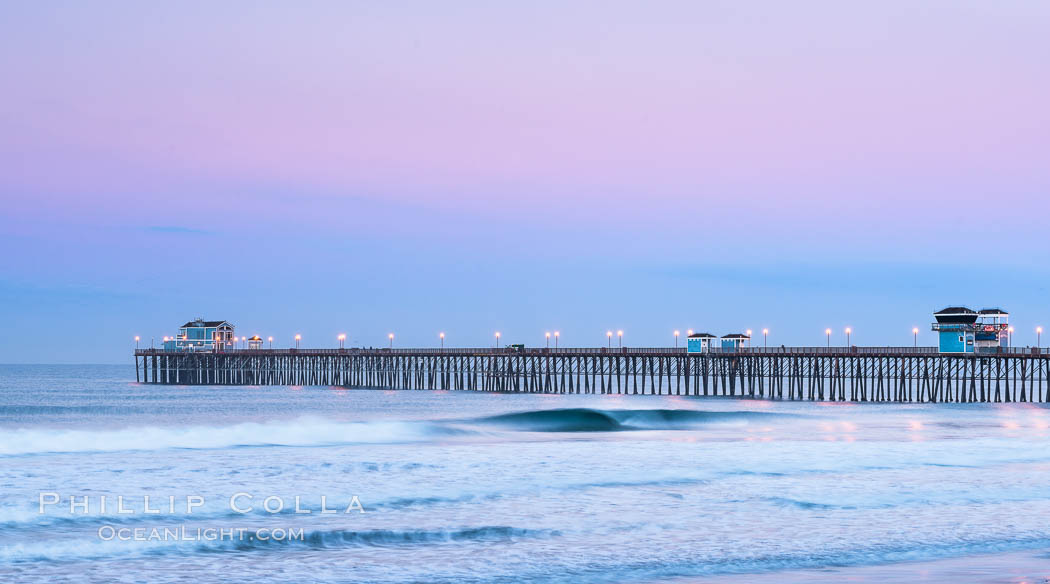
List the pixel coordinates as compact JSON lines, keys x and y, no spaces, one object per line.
{"x":827,"y":331}
{"x":676,"y":333}
{"x":341,"y":337}
{"x":497,"y":334}
{"x":608,"y":334}
{"x":391,"y":336}
{"x":689,"y":332}
{"x":136,"y":339}
{"x":749,"y":332}
{"x":270,"y":339}
{"x":848,"y":330}
{"x":298,"y":337}
{"x":548,"y":335}
{"x":915,"y":331}
{"x":1038,"y":329}
{"x":619,"y":333}
{"x":765,"y":331}
{"x":442,"y":335}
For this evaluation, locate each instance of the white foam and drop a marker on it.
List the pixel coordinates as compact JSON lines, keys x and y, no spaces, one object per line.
{"x":304,"y":431}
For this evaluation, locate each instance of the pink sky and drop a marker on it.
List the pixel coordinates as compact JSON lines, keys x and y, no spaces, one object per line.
{"x":822,"y":133}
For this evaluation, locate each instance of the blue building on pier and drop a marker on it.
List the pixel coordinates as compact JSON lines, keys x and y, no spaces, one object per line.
{"x":202,"y":335}
{"x":962,"y":330}
{"x":699,"y":342}
{"x":734,"y":341}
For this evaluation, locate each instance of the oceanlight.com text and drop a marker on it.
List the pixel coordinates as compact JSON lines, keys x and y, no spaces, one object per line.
{"x":182,"y":533}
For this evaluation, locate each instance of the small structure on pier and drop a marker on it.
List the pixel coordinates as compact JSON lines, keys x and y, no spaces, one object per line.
{"x":962,"y":330}
{"x":255,"y":342}
{"x":733,"y":342}
{"x":699,"y":342}
{"x":203,"y":335}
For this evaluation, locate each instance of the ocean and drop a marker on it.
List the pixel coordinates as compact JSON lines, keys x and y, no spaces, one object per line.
{"x":326,"y":484}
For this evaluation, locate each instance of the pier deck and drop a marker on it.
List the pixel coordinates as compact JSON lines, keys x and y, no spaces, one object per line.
{"x":855,"y":374}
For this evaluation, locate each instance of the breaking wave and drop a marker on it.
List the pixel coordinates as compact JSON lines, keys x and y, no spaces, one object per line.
{"x":595,"y":420}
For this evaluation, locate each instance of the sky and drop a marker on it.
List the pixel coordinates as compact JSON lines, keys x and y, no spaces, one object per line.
{"x":470,"y":167}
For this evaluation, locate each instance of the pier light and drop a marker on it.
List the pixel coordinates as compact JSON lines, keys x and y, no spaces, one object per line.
{"x":497,"y":339}
{"x":136,"y":342}
{"x":1038,"y":337}
{"x":341,"y":338}
{"x":297,"y":339}
{"x":828,"y":332}
{"x":1009,"y":337}
{"x":391,"y":338}
{"x":548,"y":336}
{"x":765,"y":338}
{"x":608,"y":335}
{"x":442,"y":337}
{"x":619,"y":335}
{"x":689,"y":332}
{"x":556,"y":335}
{"x":915,"y":334}
{"x":849,"y":331}
{"x":676,"y":339}
{"x":749,"y":338}
{"x":270,"y":339}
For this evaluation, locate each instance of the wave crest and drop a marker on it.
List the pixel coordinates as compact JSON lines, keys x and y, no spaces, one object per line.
{"x":595,"y":420}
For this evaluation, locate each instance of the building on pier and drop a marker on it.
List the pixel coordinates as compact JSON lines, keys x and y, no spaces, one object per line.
{"x":733,"y":342}
{"x":203,"y":335}
{"x":699,"y":342}
{"x":255,"y":342}
{"x":962,"y":330}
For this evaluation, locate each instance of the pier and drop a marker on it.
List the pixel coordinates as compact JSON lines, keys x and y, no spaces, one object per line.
{"x":845,"y":374}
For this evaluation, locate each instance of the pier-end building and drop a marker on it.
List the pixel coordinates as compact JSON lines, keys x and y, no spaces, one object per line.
{"x":962,"y":330}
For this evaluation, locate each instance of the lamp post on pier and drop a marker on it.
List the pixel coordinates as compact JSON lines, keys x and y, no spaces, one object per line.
{"x":608,"y":335}
{"x":341,"y":337}
{"x":548,"y":335}
{"x":391,"y":338}
{"x":136,"y":342}
{"x":497,"y":339}
{"x":442,"y":336}
{"x":270,"y":340}
{"x":556,"y":335}
{"x":748,"y":338}
{"x":1038,"y":337}
{"x":676,"y":339}
{"x":1009,"y":337}
{"x":619,"y":335}
{"x":828,"y":332}
{"x":297,"y":339}
{"x":765,"y":338}
{"x":915,"y":334}
{"x":849,"y":331}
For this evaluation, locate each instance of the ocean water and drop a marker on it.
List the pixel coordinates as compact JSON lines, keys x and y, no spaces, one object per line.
{"x":474,"y":487}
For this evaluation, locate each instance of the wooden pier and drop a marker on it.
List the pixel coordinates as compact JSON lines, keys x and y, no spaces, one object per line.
{"x":856,"y":374}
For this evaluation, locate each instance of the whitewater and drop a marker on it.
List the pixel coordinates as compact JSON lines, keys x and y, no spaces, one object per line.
{"x":479,"y":487}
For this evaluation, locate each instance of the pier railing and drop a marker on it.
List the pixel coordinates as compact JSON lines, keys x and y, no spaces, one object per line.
{"x":569,"y":351}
